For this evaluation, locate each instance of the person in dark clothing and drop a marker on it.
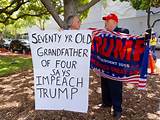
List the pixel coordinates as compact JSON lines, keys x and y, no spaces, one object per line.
{"x":111,"y":94}
{"x":111,"y":89}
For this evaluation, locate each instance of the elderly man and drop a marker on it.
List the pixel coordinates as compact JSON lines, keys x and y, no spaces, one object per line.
{"x":111,"y":89}
{"x":73,"y":22}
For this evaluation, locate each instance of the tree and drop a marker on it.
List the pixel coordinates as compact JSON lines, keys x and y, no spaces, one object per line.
{"x":16,"y":15}
{"x":12,"y":10}
{"x":8,"y":8}
{"x":30,"y":11}
{"x":68,"y":7}
{"x":146,"y":5}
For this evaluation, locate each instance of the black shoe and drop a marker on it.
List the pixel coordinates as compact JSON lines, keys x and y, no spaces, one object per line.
{"x":117,"y":115}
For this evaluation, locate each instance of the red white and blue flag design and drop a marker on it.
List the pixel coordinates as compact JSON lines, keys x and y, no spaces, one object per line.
{"x":120,"y":57}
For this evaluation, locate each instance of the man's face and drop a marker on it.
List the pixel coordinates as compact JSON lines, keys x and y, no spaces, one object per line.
{"x":76,"y":23}
{"x":110,"y":25}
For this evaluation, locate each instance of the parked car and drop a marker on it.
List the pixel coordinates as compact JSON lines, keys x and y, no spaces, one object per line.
{"x":20,"y":45}
{"x":158,"y":43}
{"x":6,"y":43}
{"x":1,"y":43}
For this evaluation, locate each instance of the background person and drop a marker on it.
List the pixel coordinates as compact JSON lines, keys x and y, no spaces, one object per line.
{"x":153,"y":43}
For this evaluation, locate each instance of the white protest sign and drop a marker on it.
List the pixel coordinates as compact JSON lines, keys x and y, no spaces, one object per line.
{"x":61,"y":62}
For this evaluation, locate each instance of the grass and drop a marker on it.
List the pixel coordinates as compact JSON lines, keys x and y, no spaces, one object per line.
{"x":14,"y":64}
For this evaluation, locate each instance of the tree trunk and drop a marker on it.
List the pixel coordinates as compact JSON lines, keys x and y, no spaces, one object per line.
{"x":148,"y":18}
{"x":43,"y":24}
{"x":69,"y":8}
{"x":53,"y":12}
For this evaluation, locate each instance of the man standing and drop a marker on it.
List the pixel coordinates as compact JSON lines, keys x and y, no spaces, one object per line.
{"x":111,"y":89}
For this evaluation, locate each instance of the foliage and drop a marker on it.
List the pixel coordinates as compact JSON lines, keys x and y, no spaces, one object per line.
{"x":14,"y":18}
{"x":85,"y":13}
{"x":11,"y":11}
{"x":18,"y":14}
{"x":140,"y":4}
{"x":143,"y":4}
{"x":146,"y":5}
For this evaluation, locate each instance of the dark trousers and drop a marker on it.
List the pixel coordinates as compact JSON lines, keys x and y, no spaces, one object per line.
{"x":112,"y":93}
{"x":153,"y":48}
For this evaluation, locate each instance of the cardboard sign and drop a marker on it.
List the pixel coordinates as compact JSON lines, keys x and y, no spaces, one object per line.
{"x":61,"y":62}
